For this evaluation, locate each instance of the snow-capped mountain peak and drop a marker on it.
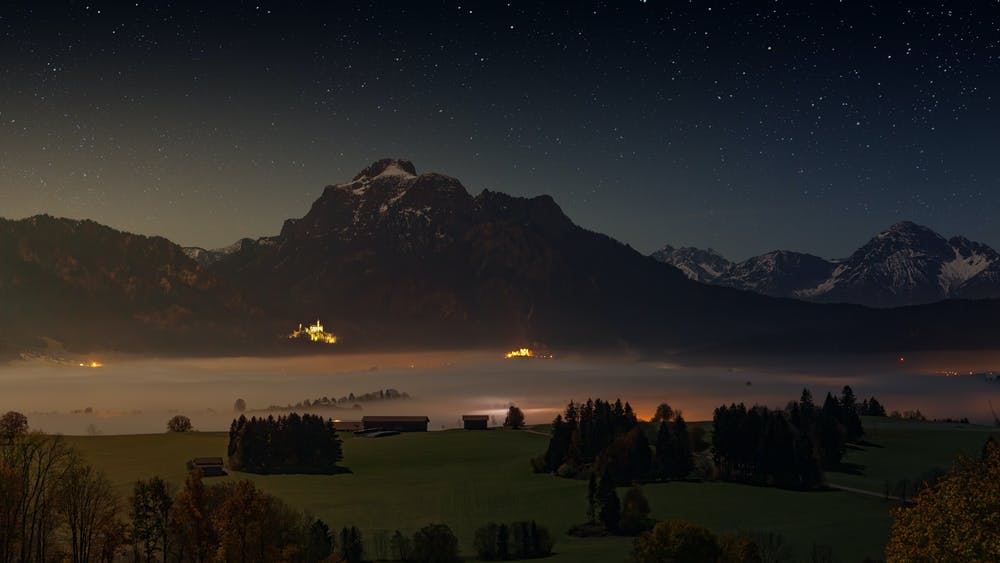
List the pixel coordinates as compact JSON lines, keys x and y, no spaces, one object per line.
{"x":906,"y":264}
{"x":697,"y":264}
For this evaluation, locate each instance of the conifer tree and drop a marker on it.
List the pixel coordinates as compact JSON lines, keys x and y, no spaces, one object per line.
{"x":683,"y":454}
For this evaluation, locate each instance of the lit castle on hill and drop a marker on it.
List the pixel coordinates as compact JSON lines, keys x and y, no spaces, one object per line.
{"x":314,"y":333}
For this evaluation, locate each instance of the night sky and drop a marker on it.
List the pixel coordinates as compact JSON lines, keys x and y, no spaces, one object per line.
{"x":742,"y":127}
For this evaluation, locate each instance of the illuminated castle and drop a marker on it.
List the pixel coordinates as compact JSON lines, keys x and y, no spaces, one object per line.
{"x":314,"y":333}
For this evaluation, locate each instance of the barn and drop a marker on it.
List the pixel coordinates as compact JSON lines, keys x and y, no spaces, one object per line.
{"x":475,"y":421}
{"x":347,"y":425}
{"x":210,"y":466}
{"x":397,"y":423}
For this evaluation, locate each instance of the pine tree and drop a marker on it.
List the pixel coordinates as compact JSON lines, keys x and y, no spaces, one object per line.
{"x":663,"y":457}
{"x":683,"y":455}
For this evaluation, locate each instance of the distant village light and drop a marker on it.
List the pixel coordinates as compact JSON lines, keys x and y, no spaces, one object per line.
{"x":315,"y":333}
{"x":520,"y":353}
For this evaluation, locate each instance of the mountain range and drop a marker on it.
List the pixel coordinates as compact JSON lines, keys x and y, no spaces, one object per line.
{"x":907,"y":264}
{"x":396,"y":259}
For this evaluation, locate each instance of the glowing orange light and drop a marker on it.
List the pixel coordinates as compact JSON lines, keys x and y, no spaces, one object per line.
{"x":91,"y":364}
{"x":520,"y":353}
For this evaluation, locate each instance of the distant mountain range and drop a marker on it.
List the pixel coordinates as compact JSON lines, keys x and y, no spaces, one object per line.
{"x":98,"y":288}
{"x":396,"y":259}
{"x":907,"y":264}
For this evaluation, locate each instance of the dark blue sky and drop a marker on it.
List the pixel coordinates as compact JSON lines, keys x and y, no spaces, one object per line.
{"x":744,"y":127}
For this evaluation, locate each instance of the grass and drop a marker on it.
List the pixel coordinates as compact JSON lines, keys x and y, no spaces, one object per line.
{"x":906,"y":449}
{"x":466,"y":479}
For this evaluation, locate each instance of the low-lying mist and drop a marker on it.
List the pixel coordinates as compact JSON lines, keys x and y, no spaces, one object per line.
{"x":131,"y":395}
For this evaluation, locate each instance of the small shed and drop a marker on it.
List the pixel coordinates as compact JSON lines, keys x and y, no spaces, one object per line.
{"x":347,"y":425}
{"x":397,"y":423}
{"x":475,"y":421}
{"x":210,"y":466}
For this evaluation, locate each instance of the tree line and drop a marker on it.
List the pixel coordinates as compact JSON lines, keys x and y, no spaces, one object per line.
{"x":787,"y":448}
{"x":515,"y":541}
{"x":287,"y":444}
{"x":389,"y":394}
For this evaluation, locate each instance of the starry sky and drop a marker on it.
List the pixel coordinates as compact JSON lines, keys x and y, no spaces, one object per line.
{"x":744,"y":127}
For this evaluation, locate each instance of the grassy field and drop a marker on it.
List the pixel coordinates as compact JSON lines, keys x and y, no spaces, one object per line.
{"x":903,"y":449}
{"x":466,"y":479}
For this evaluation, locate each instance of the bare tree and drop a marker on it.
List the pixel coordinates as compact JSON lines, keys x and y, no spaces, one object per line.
{"x":33,"y":466}
{"x":89,"y":506}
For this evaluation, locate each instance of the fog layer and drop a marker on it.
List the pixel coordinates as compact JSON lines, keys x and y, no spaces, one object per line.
{"x":129,"y":395}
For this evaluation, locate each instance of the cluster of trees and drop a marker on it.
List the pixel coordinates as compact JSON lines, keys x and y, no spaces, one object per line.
{"x":785,"y":448}
{"x":954,"y":519}
{"x":389,"y":394}
{"x":871,"y":407}
{"x":232,"y":521}
{"x":286,"y":444}
{"x":519,"y":540}
{"x":604,"y":438}
{"x":597,"y":436}
{"x":53,"y":506}
{"x":434,"y":543}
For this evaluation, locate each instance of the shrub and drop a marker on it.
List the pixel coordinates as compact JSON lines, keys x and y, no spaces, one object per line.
{"x":179,"y":423}
{"x":635,"y":513}
{"x":676,"y":540}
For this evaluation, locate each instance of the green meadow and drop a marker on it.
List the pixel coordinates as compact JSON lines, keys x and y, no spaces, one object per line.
{"x":466,"y":479}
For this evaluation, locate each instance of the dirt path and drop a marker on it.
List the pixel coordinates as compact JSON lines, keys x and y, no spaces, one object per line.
{"x":867,"y":493}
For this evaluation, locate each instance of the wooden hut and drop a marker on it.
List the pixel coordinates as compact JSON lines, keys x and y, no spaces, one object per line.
{"x":347,"y":425}
{"x":210,"y":466}
{"x":397,"y":423}
{"x":475,"y":421}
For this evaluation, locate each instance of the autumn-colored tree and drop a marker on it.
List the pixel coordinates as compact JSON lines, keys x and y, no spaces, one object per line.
{"x":676,"y":540}
{"x":150,"y":511}
{"x":191,"y":520}
{"x":236,"y":522}
{"x":955,"y":519}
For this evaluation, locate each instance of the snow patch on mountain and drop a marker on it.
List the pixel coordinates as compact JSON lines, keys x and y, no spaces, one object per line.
{"x":956,"y":272}
{"x":906,"y":264}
